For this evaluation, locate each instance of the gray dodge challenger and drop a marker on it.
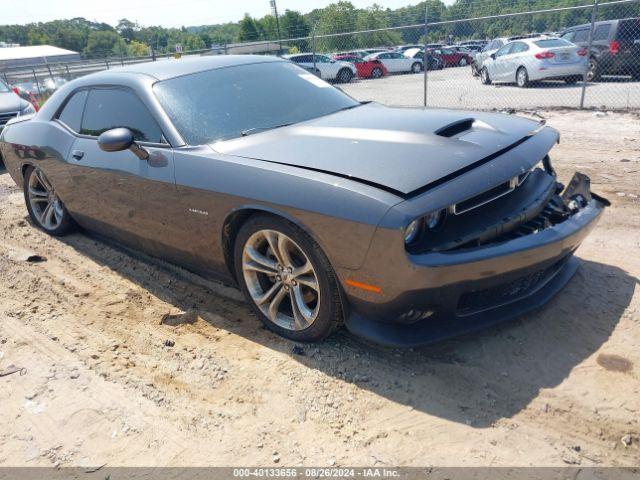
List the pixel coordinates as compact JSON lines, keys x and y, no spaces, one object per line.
{"x":407,"y":225}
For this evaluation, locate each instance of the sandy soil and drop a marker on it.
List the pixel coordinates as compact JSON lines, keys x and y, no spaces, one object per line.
{"x":557,"y":387}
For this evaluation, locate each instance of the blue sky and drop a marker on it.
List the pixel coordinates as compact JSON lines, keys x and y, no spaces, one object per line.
{"x":168,"y":13}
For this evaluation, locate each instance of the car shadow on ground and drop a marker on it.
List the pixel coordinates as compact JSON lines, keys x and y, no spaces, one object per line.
{"x":475,"y":379}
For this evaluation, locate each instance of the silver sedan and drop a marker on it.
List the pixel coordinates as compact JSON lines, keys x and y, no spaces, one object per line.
{"x":527,"y":60}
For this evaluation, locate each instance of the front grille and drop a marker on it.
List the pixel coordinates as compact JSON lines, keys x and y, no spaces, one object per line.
{"x":6,"y":116}
{"x":484,"y":198}
{"x":479,"y":300}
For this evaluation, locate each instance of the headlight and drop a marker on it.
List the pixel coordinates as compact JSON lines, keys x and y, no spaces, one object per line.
{"x":411,"y":232}
{"x":28,"y":110}
{"x":434,"y":220}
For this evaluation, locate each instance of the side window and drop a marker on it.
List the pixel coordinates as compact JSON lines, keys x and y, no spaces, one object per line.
{"x":384,"y":56}
{"x":581,"y":36}
{"x":602,"y":32}
{"x":519,"y":47}
{"x":504,"y":50}
{"x":71,"y":114}
{"x":109,"y":108}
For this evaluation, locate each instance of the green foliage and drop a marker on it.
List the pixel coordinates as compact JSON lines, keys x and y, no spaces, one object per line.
{"x":128,"y":38}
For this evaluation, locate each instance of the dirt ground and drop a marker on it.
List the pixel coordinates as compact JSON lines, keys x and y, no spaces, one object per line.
{"x":558,"y":387}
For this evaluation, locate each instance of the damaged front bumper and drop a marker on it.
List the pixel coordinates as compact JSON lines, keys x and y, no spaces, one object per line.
{"x":436,"y":295}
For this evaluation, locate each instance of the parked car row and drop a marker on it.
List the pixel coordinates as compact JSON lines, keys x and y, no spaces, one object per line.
{"x":614,"y":50}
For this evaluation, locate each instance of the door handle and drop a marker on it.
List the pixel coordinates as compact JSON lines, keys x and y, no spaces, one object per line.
{"x":77,"y":154}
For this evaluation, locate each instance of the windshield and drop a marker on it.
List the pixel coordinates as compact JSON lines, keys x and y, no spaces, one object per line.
{"x":3,"y":87}
{"x":223,"y":103}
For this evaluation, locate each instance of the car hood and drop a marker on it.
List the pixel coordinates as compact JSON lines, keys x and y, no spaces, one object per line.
{"x":9,"y":102}
{"x":398,"y":149}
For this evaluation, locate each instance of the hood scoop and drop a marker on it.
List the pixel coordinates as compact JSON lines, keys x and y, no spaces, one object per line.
{"x":455,"y":128}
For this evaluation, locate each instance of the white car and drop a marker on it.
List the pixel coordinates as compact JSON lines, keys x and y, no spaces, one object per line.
{"x":325,"y":67}
{"x":526,"y":60}
{"x":397,"y":62}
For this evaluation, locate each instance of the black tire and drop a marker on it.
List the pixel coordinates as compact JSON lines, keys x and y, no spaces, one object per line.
{"x":66,"y":223}
{"x":572,"y":80}
{"x":594,"y":74}
{"x":522,"y":77}
{"x":330,"y":313}
{"x":416,"y":67}
{"x":376,"y":72}
{"x":474,"y":70}
{"x":484,"y":76}
{"x":463,"y":62}
{"x":345,"y":75}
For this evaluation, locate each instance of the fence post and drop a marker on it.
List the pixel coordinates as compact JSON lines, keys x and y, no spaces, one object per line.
{"x":35,"y":78}
{"x":586,"y":70}
{"x":425,"y":58}
{"x":313,"y":47}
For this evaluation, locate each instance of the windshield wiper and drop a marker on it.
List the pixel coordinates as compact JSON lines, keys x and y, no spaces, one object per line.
{"x":249,"y":131}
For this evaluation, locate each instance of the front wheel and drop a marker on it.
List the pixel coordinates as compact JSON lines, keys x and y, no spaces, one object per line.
{"x":345,"y":75}
{"x":522,"y":77}
{"x":43,"y":204}
{"x":463,"y":62}
{"x":484,"y":76}
{"x":376,"y":72}
{"x":416,"y":67}
{"x":287,"y":279}
{"x":594,"y":73}
{"x":474,"y":69}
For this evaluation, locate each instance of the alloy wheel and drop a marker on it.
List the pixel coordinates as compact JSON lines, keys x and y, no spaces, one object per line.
{"x":281,"y":280}
{"x":376,"y":73}
{"x":44,"y":202}
{"x":463,"y":62}
{"x":416,"y":68}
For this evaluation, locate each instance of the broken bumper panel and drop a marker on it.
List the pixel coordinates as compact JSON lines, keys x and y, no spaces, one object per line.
{"x":453,"y":293}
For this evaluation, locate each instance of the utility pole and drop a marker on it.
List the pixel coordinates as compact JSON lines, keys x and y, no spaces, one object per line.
{"x":274,"y":7}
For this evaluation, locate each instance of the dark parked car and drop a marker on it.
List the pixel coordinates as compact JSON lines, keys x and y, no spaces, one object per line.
{"x":409,"y":225}
{"x":11,"y":105}
{"x":615,"y":47}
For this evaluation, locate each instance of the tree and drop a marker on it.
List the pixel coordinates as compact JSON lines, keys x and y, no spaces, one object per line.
{"x":127,"y":29}
{"x":105,"y":43}
{"x":294,"y":25}
{"x":336,"y":18}
{"x":249,"y":30}
{"x":375,"y":18}
{"x":138,"y":49}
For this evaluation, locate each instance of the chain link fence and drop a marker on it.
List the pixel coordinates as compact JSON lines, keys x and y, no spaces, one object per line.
{"x":534,"y":54}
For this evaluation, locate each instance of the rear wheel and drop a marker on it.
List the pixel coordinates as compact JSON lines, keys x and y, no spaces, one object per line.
{"x":484,"y":76}
{"x":416,"y":67}
{"x":287,"y":279}
{"x":345,"y":75}
{"x":595,"y":71}
{"x":376,"y":72}
{"x":474,"y":70}
{"x":522,"y":77}
{"x":45,"y":208}
{"x":463,"y":62}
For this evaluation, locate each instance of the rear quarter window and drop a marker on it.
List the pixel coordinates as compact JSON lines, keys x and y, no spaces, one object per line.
{"x":71,"y":114}
{"x":629,"y":30}
{"x":601,"y":32}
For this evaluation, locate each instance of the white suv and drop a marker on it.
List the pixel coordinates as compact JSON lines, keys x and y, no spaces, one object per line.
{"x":325,"y":68}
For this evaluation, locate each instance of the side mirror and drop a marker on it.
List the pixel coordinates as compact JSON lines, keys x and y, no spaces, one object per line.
{"x":493,"y":56}
{"x":120,"y":139}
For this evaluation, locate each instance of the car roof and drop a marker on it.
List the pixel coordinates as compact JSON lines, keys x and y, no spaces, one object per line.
{"x":164,"y":69}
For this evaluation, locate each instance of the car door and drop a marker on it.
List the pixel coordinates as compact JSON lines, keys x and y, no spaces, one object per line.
{"x":328,"y":68}
{"x":387,"y":61}
{"x":116,"y":193}
{"x":499,"y":67}
{"x":516,"y":57}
